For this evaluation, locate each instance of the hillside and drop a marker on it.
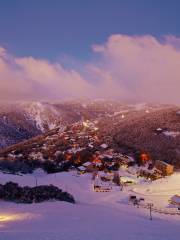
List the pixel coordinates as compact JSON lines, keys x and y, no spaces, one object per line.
{"x":156,"y":132}
{"x":128,"y":129}
{"x":95,"y":216}
{"x":23,"y":120}
{"x":105,"y":137}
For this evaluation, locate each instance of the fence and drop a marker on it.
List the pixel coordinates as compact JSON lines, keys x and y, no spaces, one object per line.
{"x":168,"y":211}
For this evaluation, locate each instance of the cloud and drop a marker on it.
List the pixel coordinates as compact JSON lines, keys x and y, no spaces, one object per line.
{"x":29,"y":78}
{"x":130,"y":68}
{"x":140,"y":68}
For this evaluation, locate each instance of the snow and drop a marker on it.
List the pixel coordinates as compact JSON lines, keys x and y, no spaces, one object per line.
{"x":87,"y":164}
{"x":159,"y":129}
{"x":82,"y":168}
{"x":140,"y":106}
{"x":171,"y":133}
{"x":75,"y":150}
{"x":127,"y":179}
{"x":41,"y":113}
{"x":104,"y":145}
{"x":90,"y":145}
{"x":176,"y":199}
{"x":39,"y":172}
{"x":160,"y":191}
{"x":95,"y":216}
{"x":84,"y":105}
{"x":130,"y":159}
{"x":36,"y":156}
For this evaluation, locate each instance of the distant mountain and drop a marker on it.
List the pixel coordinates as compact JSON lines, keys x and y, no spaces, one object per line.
{"x":15,"y":125}
{"x":127,"y":128}
{"x":23,"y":120}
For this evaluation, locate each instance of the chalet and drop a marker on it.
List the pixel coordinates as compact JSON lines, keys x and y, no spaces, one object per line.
{"x":160,"y":130}
{"x":97,"y":157}
{"x":87,"y":164}
{"x":104,"y":146}
{"x":165,"y":168}
{"x":125,"y":160}
{"x":100,"y":186}
{"x":90,"y":167}
{"x":175,"y":200}
{"x":144,"y":158}
{"x":81,"y":170}
{"x":11,"y":156}
{"x":127,"y":180}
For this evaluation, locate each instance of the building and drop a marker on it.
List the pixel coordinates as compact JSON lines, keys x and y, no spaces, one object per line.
{"x":175,"y":200}
{"x":127,"y":180}
{"x":81,"y":170}
{"x":144,"y":158}
{"x":165,"y":168}
{"x":90,"y":167}
{"x":100,"y":186}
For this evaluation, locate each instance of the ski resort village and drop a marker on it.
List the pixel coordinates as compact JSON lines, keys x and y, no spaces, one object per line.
{"x":72,"y":183}
{"x":90,"y":120}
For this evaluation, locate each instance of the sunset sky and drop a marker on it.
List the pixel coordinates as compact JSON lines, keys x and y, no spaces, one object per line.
{"x":125,"y":49}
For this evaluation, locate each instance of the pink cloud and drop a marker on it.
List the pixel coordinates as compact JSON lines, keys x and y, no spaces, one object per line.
{"x":141,"y":68}
{"x":30,"y":78}
{"x":130,"y":68}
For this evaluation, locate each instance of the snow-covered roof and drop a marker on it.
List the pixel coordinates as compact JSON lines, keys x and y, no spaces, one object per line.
{"x":104,"y":145}
{"x":75,"y":150}
{"x":98,"y":164}
{"x":171,"y":133}
{"x":127,"y":179}
{"x":87,"y":164}
{"x":81,"y":168}
{"x":130,"y":159}
{"x":107,"y":155}
{"x":176,"y":199}
{"x":90,"y":145}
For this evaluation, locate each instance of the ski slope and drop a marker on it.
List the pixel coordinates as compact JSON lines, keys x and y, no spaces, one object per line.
{"x":95,"y":216}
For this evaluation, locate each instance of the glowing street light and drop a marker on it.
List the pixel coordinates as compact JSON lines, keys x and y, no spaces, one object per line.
{"x":85,"y":124}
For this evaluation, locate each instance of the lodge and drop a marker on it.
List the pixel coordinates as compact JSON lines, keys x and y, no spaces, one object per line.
{"x":165,"y":168}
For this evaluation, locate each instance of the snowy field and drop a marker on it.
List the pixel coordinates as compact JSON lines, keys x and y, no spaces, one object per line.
{"x":160,"y":191}
{"x":95,"y":216}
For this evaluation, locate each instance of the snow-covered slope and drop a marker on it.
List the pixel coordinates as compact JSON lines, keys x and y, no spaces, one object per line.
{"x":95,"y":216}
{"x":45,"y":115}
{"x":15,"y":126}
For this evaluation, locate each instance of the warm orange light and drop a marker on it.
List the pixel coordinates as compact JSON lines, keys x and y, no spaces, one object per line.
{"x":144,"y":157}
{"x":97,"y":160}
{"x":68,"y":156}
{"x":85,"y":124}
{"x":14,"y":217}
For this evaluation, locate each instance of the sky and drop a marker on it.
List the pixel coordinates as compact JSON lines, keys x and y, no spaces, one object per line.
{"x":125,"y":49}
